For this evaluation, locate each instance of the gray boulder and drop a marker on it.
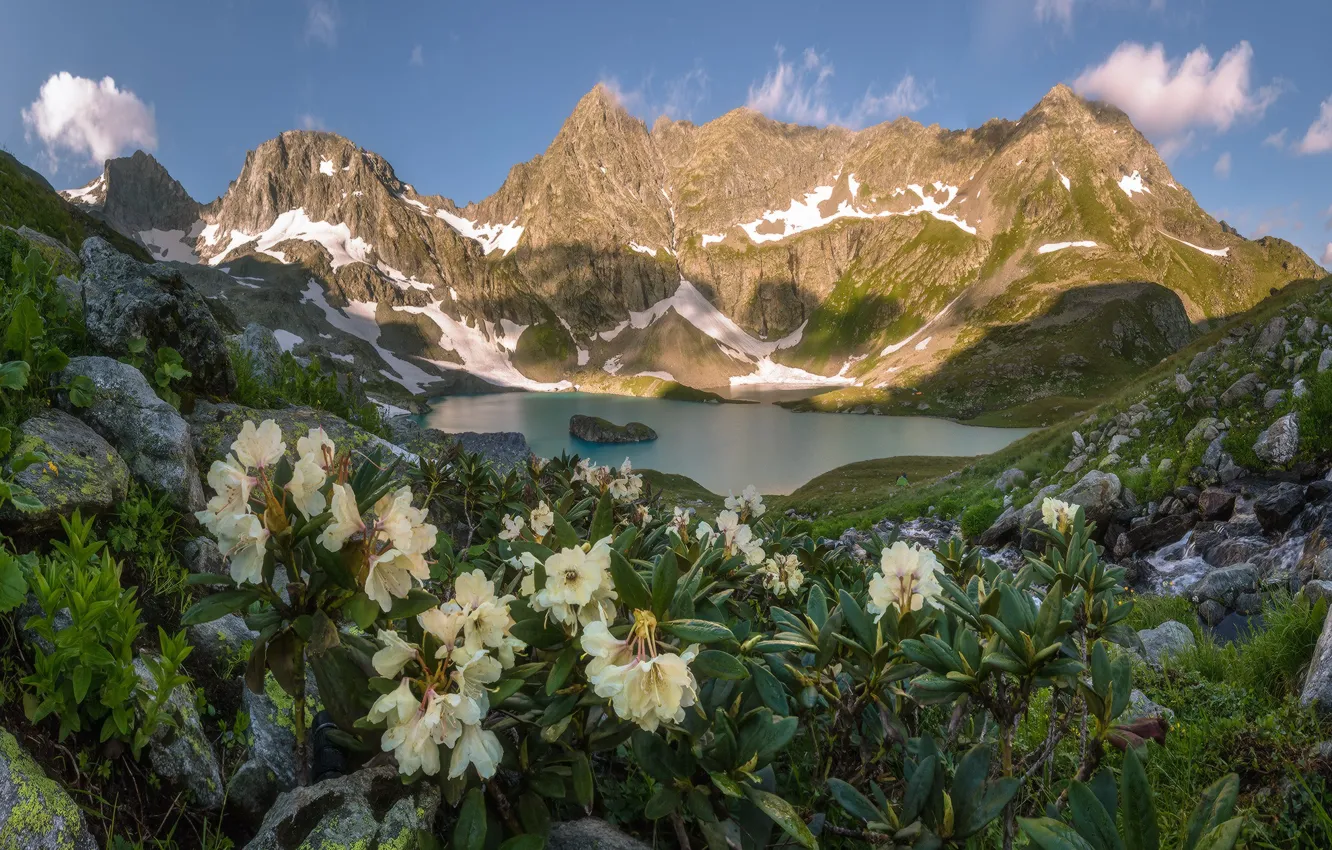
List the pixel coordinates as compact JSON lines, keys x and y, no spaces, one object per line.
{"x":590,"y":834}
{"x":369,"y":808}
{"x":214,"y":428}
{"x":1272,"y":398}
{"x":1182,"y":385}
{"x":1167,"y":640}
{"x":272,"y":766}
{"x":88,"y":475}
{"x":180,"y":752}
{"x":201,"y":555}
{"x":35,"y":812}
{"x":1224,"y":586}
{"x":1009,"y":479}
{"x":1277,"y":508}
{"x":1098,"y":494}
{"x":260,"y":348}
{"x":505,"y":449}
{"x":1325,"y":360}
{"x":148,"y":433}
{"x":1140,"y":706}
{"x":1318,"y":589}
{"x":219,"y":644}
{"x":1216,"y":504}
{"x":125,"y":300}
{"x":1240,"y":390}
{"x":1279,"y":443}
{"x":1318,"y":681}
{"x":1270,"y":336}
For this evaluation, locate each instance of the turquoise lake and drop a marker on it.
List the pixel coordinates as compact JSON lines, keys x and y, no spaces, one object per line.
{"x":721,"y":446}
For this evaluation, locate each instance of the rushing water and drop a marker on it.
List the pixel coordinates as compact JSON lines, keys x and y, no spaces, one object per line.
{"x":721,"y":446}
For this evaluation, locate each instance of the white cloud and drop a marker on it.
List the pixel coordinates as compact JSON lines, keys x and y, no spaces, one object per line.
{"x":1060,"y":11}
{"x":1222,"y":167}
{"x":681,"y":97}
{"x":1276,"y":140}
{"x":89,"y":118}
{"x":418,"y":56}
{"x":1318,"y":139}
{"x":321,"y":22}
{"x":1167,"y":99}
{"x":310,"y":122}
{"x":801,"y":92}
{"x":1327,"y":255}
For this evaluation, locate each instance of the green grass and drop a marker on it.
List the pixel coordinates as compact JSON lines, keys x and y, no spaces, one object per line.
{"x":545,"y":351}
{"x":683,"y":491}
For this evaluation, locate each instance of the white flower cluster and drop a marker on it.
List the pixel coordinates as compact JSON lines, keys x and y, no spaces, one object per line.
{"x":475,"y":647}
{"x":579,"y":589}
{"x":644,"y":683}
{"x":397,"y":539}
{"x":749,"y":504}
{"x":623,"y":484}
{"x":541,"y":520}
{"x":908,"y":575}
{"x":737,"y":537}
{"x":781,"y":574}
{"x":1058,"y":515}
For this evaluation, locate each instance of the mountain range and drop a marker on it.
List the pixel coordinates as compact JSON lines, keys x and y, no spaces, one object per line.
{"x":1023,"y":263}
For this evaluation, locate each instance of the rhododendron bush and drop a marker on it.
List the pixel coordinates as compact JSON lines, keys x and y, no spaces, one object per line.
{"x":537,"y":640}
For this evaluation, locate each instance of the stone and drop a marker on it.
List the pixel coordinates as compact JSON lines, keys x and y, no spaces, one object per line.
{"x":35,"y":812}
{"x":1270,"y":336}
{"x":1242,"y":388}
{"x":1211,"y":457}
{"x":1228,"y":470}
{"x":1078,"y":442}
{"x":180,"y":752}
{"x":1010,"y":479}
{"x":1075,"y":465}
{"x":1225,"y":585}
{"x":505,"y":449}
{"x":148,"y":433}
{"x":1308,"y":329}
{"x":1097,"y":492}
{"x":85,"y":474}
{"x":1318,"y":589}
{"x":1156,"y":533}
{"x":1205,"y":429}
{"x":590,"y":834}
{"x":125,"y":300}
{"x":259,"y":346}
{"x":220,"y":644}
{"x":1119,"y":441}
{"x":1317,"y":691}
{"x":1140,"y":706}
{"x":1299,"y":389}
{"x":594,"y":429}
{"x":1272,"y":398}
{"x":215,"y":427}
{"x":1182,"y":384}
{"x":1165,"y":641}
{"x":1215,"y":504}
{"x":1165,"y":465}
{"x":1248,"y":603}
{"x":1212,"y":612}
{"x":1325,"y":360}
{"x":201,"y":555}
{"x":251,"y":791}
{"x":1279,"y":443}
{"x":1279,"y":506}
{"x":369,"y":808}
{"x":1001,"y":530}
{"x":274,"y":730}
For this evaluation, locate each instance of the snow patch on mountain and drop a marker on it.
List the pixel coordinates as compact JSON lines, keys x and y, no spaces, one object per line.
{"x":88,"y":194}
{"x":643,"y":249}
{"x":286,"y":340}
{"x":401,"y":280}
{"x":483,"y":352}
{"x":1133,"y":183}
{"x":336,"y":239}
{"x":492,"y":237}
{"x":326,"y":167}
{"x":170,"y":245}
{"x":358,"y":319}
{"x":897,"y":346}
{"x":1051,"y":247}
{"x":709,"y":238}
{"x":1211,"y":252}
{"x":769,"y":372}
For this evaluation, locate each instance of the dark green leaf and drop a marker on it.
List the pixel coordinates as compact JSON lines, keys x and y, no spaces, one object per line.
{"x":1051,"y":834}
{"x":699,"y":631}
{"x":603,"y":521}
{"x":784,"y":815}
{"x":1093,"y":822}
{"x":1138,"y":810}
{"x":716,"y":664}
{"x":218,"y":605}
{"x":415,"y":602}
{"x":855,"y":802}
{"x":470,"y":831}
{"x":629,"y":585}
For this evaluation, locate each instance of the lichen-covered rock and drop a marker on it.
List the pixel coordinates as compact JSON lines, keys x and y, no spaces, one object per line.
{"x":594,"y":429}
{"x":180,"y":752}
{"x":273,"y":729}
{"x":260,"y":347}
{"x":148,"y":433}
{"x":35,"y":812}
{"x":201,"y":555}
{"x":125,"y":300}
{"x":221,"y":643}
{"x":215,"y":427}
{"x":505,"y":449}
{"x":1165,"y":641}
{"x":1010,"y":478}
{"x":1279,"y":506}
{"x":1098,"y":494}
{"x":369,"y":808}
{"x":1241,"y":389}
{"x":1318,"y":681}
{"x":1224,"y":586}
{"x":85,"y":473}
{"x":590,"y":834}
{"x":1140,"y":706}
{"x":1279,"y":443}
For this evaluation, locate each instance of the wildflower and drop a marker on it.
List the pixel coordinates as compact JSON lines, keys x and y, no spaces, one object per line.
{"x":626,"y":486}
{"x":906,"y":578}
{"x":642,"y":516}
{"x":1058,"y":515}
{"x":541,"y":520}
{"x":643,"y":683}
{"x":781,"y":574}
{"x":259,"y":447}
{"x":412,"y":741}
{"x":680,"y":520}
{"x":513,"y":527}
{"x":232,"y":484}
{"x":609,"y":657}
{"x":346,"y":519}
{"x":396,"y":652}
{"x":391,"y":573}
{"x":479,"y":748}
{"x":749,"y":503}
{"x":572,"y":575}
{"x":487,"y":619}
{"x":307,"y":479}
{"x":395,"y":707}
{"x":243,"y":539}
{"x":317,"y":446}
{"x":405,"y":525}
{"x":445,"y":624}
{"x":472,"y":672}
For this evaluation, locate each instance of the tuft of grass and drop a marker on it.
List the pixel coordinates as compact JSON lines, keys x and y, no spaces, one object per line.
{"x":1150,"y":611}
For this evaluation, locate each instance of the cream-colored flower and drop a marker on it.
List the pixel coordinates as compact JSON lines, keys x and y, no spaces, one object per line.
{"x":445,"y":623}
{"x":642,"y":516}
{"x":908,"y":575}
{"x":412,"y":741}
{"x":396,"y":706}
{"x":243,"y":539}
{"x":1058,"y":515}
{"x":472,"y":672}
{"x":572,"y":575}
{"x":390,"y":576}
{"x":317,"y":446}
{"x":541,"y":520}
{"x":307,"y":478}
{"x":405,"y":525}
{"x":507,"y":650}
{"x":657,"y":690}
{"x":513,"y":527}
{"x":781,"y":574}
{"x":680,"y":520}
{"x":472,"y":590}
{"x":479,"y":748}
{"x":346,"y":519}
{"x":456,"y":712}
{"x":610,"y":656}
{"x":233,"y":485}
{"x":754,"y":501}
{"x":393,"y":656}
{"x":259,"y":447}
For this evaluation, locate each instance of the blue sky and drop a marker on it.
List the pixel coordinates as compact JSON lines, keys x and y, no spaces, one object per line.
{"x":453,"y":94}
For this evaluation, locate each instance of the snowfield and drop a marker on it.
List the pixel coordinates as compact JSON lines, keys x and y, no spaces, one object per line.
{"x":492,"y":237}
{"x":1051,"y":247}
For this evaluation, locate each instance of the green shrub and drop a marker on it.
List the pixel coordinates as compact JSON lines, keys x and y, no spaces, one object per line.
{"x":302,"y":385}
{"x":1316,"y":415}
{"x":144,"y":533}
{"x":979,"y":517}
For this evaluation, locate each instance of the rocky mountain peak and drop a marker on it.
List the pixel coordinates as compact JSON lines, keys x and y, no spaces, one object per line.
{"x":141,"y":195}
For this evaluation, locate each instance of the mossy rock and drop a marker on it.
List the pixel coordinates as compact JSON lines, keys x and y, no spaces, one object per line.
{"x":215,"y":427}
{"x":35,"y":812}
{"x":85,"y":473}
{"x":594,"y":429}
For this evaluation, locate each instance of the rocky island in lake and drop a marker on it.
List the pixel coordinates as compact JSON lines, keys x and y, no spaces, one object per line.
{"x":594,"y":429}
